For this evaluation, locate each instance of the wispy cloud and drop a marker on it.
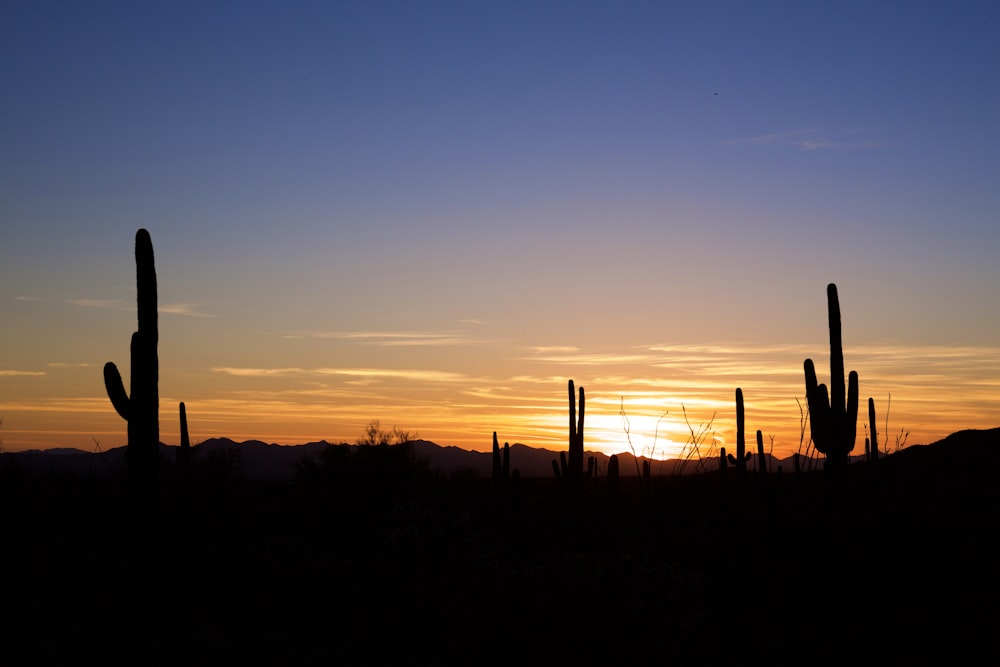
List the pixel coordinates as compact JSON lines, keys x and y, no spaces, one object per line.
{"x":107,"y":304}
{"x":257,"y":372}
{"x":13,"y":373}
{"x":364,"y":374}
{"x":391,"y":338}
{"x":185,"y":309}
{"x":403,"y":374}
{"x":589,"y":359}
{"x":809,"y":140}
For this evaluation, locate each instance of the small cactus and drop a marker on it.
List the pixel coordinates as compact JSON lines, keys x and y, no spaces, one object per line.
{"x":761,"y":460}
{"x":874,"y":432}
{"x":742,"y":456}
{"x":184,"y":451}
{"x":502,"y":474}
{"x":614,"y":471}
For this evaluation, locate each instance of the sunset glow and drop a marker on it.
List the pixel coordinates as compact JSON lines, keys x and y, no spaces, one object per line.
{"x":438,"y":218}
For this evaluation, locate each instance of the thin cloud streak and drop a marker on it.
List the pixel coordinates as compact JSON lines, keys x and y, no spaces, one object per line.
{"x":184,"y":309}
{"x":392,"y":338}
{"x":368,"y":373}
{"x":807,"y":140}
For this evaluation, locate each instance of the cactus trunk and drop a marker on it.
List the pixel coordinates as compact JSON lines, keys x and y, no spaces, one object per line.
{"x":871,"y":423}
{"x":140,"y":407}
{"x":575,"y":459}
{"x":742,"y":455}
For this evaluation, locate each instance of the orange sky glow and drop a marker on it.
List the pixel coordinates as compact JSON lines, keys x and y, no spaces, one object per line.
{"x":665,"y":391}
{"x":436,"y":218}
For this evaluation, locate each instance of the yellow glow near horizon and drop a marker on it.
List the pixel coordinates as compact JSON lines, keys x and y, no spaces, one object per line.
{"x":665,"y":393}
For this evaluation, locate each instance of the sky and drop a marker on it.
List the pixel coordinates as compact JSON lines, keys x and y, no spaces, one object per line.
{"x":436,"y":214}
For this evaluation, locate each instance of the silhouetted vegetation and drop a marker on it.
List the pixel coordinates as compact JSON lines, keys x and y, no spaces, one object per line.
{"x":140,"y":407}
{"x":833,"y":418}
{"x":367,"y":546}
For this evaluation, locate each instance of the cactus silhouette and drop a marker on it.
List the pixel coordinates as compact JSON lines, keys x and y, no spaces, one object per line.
{"x":833,"y":420}
{"x":614,"y":472}
{"x":570,"y":468}
{"x":184,"y":451}
{"x":575,"y":459}
{"x":140,"y":407}
{"x":871,"y":423}
{"x":761,"y":461}
{"x":501,"y":463}
{"x":742,"y":455}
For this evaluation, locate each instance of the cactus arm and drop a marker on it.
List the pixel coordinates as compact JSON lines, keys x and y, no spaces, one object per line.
{"x":146,"y":287}
{"x":851,"y":427}
{"x":579,"y":428}
{"x":836,"y":348}
{"x":575,"y":461}
{"x":116,"y":390}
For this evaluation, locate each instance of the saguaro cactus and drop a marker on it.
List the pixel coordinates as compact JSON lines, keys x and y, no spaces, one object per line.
{"x":833,"y":420}
{"x":140,"y":407}
{"x":614,"y":471}
{"x":501,"y":463}
{"x":871,"y":425}
{"x":742,"y":455}
{"x":761,"y":459}
{"x":574,"y":464}
{"x":184,"y":451}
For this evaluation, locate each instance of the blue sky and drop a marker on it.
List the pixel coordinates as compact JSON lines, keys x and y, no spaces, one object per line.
{"x":474,"y":182}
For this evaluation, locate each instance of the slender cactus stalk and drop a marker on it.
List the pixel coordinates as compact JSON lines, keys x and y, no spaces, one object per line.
{"x":575,"y":461}
{"x":184,"y":451}
{"x":761,"y":461}
{"x":874,"y":432}
{"x":742,"y":455}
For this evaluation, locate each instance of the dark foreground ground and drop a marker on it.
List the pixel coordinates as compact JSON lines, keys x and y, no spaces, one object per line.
{"x":895,"y":560}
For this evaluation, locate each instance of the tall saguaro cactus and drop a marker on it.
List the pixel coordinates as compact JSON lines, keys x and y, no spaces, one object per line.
{"x":574,"y":466}
{"x":833,"y":419}
{"x":140,"y":407}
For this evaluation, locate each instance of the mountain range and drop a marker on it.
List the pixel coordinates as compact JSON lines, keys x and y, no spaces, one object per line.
{"x":254,"y":460}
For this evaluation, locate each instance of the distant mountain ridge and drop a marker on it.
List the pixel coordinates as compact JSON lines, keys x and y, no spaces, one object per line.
{"x":259,"y":461}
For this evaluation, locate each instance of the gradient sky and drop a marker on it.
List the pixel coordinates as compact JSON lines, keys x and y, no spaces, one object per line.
{"x":436,"y":213}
